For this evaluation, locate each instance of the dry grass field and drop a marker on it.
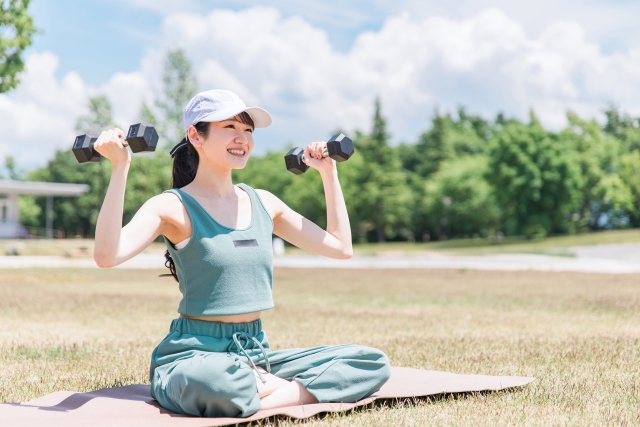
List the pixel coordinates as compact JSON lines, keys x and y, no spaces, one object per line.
{"x":579,"y":334}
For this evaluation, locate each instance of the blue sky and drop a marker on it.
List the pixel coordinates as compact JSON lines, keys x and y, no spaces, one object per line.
{"x":319,"y":65}
{"x":98,"y":38}
{"x":95,"y":41}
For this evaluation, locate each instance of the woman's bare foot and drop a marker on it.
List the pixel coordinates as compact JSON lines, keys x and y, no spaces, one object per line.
{"x":290,"y":394}
{"x":271,"y":385}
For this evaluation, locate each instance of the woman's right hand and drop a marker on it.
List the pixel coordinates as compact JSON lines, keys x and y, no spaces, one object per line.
{"x":110,"y":144}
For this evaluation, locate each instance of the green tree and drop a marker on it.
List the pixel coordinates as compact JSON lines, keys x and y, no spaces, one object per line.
{"x":458,"y":201}
{"x":30,"y":211}
{"x":381,"y":207}
{"x":537,"y":179}
{"x":179,"y":85}
{"x":98,"y":118}
{"x":16,"y":32}
{"x":448,"y":138}
{"x":622,"y":127}
{"x":630,"y":175}
{"x":605,"y":197}
{"x":12,"y":169}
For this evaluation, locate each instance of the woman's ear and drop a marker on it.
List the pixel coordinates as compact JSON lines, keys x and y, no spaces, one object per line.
{"x":193,"y":136}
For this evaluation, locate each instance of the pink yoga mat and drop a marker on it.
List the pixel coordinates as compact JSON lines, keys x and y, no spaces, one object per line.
{"x":133,"y":406}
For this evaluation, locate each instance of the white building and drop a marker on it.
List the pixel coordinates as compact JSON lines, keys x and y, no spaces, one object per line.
{"x":11,"y":190}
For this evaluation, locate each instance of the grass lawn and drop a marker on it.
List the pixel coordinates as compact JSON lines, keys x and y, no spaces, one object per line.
{"x":579,"y":334}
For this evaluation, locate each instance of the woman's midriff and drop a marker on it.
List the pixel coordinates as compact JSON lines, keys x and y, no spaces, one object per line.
{"x":238,"y":318}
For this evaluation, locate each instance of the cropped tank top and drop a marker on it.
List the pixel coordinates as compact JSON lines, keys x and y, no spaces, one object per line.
{"x":224,"y":271}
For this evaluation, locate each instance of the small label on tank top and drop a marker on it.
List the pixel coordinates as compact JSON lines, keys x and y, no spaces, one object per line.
{"x":245,"y":243}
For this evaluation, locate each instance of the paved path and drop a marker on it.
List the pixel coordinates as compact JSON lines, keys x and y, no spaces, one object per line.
{"x":615,"y":259}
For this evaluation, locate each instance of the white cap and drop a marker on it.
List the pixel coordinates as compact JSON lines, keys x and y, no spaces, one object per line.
{"x":219,"y":104}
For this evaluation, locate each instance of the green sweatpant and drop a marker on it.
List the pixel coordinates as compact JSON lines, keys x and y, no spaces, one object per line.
{"x":206,"y":369}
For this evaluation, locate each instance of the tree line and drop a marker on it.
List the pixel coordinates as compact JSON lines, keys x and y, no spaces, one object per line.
{"x":465,"y":176}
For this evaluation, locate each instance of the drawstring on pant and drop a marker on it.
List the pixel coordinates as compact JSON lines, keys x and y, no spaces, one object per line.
{"x":241,"y":348}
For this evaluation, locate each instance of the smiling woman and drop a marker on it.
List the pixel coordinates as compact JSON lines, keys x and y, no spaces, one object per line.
{"x":216,"y":360}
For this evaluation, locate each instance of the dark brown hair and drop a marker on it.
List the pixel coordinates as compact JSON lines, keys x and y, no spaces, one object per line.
{"x":185,"y":167}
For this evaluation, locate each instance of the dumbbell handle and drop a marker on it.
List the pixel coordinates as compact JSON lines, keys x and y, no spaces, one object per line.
{"x":325,"y":153}
{"x":94,"y":138}
{"x":126,"y":136}
{"x":124,"y":141}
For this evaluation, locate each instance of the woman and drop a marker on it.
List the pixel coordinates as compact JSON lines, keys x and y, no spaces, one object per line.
{"x":216,"y":359}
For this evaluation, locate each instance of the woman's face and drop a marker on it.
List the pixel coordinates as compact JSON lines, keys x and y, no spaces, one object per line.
{"x":228,"y":144}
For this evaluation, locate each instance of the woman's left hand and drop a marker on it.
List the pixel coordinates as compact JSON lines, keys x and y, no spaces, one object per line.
{"x":313,"y":157}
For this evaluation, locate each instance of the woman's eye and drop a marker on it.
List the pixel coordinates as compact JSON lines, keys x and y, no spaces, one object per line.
{"x":231,"y":126}
{"x":250,"y":130}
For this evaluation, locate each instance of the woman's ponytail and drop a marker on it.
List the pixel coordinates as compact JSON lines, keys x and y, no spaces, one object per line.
{"x":185,"y":167}
{"x":186,"y":159}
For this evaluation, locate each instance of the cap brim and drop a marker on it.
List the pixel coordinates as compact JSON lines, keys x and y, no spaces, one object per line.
{"x":261,"y":118}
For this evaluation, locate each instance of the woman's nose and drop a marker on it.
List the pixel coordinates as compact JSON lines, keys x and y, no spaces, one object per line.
{"x":242,"y":138}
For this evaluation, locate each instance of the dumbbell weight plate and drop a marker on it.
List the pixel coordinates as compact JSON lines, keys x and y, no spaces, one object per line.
{"x":340,"y":147}
{"x":142,"y":137}
{"x":293,"y":160}
{"x":83,"y":149}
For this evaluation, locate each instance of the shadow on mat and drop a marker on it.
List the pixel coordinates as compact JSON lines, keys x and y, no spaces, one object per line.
{"x":135,"y":392}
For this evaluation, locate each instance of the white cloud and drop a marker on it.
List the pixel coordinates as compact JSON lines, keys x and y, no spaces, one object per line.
{"x":486,"y":62}
{"x":41,"y":113}
{"x":39,"y":117}
{"x":126,"y":92}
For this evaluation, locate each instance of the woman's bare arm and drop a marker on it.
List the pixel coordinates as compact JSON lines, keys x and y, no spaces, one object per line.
{"x":122,"y":244}
{"x":114,"y":244}
{"x":335,"y":241}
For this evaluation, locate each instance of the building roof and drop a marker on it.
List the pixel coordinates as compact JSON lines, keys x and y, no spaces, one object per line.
{"x":42,"y":188}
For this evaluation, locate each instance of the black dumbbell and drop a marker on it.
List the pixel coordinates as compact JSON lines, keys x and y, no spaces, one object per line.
{"x":141,"y":137}
{"x":339,"y":148}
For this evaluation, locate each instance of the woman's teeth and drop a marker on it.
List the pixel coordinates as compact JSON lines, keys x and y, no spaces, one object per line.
{"x":236,"y":152}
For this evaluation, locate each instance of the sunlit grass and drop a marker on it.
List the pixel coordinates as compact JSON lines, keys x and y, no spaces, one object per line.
{"x":578,"y":334}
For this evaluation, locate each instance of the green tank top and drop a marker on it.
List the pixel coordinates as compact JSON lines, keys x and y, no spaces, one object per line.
{"x":224,"y":271}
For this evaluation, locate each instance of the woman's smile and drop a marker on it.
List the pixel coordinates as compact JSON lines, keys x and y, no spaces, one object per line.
{"x":238,"y":152}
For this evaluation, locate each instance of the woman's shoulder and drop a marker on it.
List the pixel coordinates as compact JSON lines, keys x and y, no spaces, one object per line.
{"x":271,"y":203}
{"x":165,"y":205}
{"x":265,"y":195}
